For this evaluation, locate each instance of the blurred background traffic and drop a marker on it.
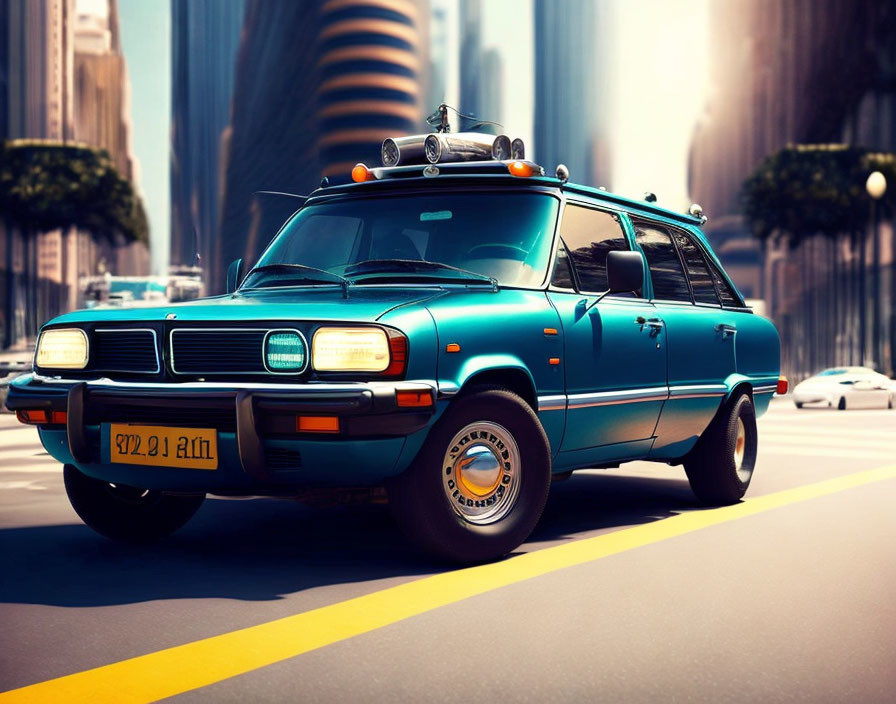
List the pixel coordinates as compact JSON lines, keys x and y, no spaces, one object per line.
{"x":137,"y":136}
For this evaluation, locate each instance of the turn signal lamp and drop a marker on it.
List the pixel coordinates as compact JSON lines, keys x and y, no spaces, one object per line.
{"x":413,"y":399}
{"x":41,"y":417}
{"x":362,"y":173}
{"x":317,"y":424}
{"x":521,"y":169}
{"x":62,"y":348}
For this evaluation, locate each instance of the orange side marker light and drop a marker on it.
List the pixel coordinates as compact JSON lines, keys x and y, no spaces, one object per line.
{"x":550,"y":331}
{"x":317,"y":424}
{"x":452,"y":347}
{"x":413,"y":399}
{"x":521,"y":169}
{"x":554,"y":361}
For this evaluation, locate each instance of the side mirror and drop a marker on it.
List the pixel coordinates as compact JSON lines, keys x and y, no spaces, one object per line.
{"x":234,"y":275}
{"x":625,"y":271}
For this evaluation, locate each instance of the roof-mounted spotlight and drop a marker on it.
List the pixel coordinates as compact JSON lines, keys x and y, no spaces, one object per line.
{"x":650,"y":197}
{"x":445,"y":147}
{"x":697,"y":211}
{"x":562,"y":173}
{"x":501,"y":147}
{"x":403,"y":150}
{"x":517,"y":149}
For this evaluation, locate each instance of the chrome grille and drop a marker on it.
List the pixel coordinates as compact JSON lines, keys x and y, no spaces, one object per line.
{"x":124,"y":350}
{"x":217,"y":351}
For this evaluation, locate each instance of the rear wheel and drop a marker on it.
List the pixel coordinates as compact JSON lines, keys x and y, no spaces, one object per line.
{"x":479,"y":484}
{"x":841,"y":405}
{"x":127,"y":513}
{"x":721,"y":466}
{"x":798,"y":404}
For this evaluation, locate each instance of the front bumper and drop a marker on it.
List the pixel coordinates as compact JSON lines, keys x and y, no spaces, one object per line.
{"x":255,"y":423}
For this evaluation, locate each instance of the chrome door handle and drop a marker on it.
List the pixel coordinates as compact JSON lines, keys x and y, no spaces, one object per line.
{"x":652,"y":322}
{"x":726,"y":330}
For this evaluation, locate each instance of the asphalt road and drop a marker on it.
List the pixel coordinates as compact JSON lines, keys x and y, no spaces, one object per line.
{"x":787,"y":597}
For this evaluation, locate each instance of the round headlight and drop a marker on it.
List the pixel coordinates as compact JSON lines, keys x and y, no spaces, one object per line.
{"x":390,"y":153}
{"x":432,"y":147}
{"x":518,"y":149}
{"x":501,"y":147}
{"x":285,"y":352}
{"x":62,"y":348}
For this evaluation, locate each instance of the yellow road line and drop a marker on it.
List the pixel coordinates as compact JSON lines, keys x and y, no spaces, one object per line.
{"x":172,"y":671}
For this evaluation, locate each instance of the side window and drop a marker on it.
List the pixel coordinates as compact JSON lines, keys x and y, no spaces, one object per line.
{"x":729,"y":298}
{"x":589,"y":235}
{"x":666,"y":273}
{"x":701,"y":281}
{"x":562,"y":276}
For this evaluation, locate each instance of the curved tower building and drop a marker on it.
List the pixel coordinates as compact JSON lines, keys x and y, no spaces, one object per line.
{"x":370,"y":67}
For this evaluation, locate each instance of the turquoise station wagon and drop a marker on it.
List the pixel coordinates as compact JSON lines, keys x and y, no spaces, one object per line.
{"x":454,"y":327}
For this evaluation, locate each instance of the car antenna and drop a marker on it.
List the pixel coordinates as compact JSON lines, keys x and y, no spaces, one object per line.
{"x":280,"y":193}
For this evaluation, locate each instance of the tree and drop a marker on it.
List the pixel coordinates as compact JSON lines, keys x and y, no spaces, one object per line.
{"x":47,"y":185}
{"x":807,"y":190}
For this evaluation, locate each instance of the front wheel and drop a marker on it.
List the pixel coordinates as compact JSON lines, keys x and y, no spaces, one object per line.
{"x":126,"y":513}
{"x":478,"y":486}
{"x":720,"y":467}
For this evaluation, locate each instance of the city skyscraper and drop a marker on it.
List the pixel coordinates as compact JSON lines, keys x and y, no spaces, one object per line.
{"x":313,"y":107}
{"x":205,"y":40}
{"x":569,"y":127}
{"x":102,"y":118}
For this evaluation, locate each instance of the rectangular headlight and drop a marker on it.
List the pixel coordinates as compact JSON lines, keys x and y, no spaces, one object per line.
{"x":350,"y":350}
{"x":62,"y":348}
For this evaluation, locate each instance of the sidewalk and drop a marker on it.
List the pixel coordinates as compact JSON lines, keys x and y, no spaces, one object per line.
{"x":21,"y":352}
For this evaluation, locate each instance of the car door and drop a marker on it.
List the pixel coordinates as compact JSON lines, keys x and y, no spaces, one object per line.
{"x":700,"y":334}
{"x":614,"y":350}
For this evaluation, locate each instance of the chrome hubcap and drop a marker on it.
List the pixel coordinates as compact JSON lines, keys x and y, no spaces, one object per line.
{"x":740,"y":446}
{"x":481,"y":472}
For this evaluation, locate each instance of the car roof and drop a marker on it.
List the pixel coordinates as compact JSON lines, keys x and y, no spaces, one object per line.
{"x":490,"y":174}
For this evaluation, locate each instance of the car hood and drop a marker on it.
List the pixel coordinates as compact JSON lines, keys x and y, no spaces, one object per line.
{"x":324,"y":303}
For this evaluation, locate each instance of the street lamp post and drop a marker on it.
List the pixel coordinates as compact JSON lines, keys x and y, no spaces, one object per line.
{"x":876,"y":186}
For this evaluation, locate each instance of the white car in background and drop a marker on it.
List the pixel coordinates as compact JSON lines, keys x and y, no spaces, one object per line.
{"x":847,"y":387}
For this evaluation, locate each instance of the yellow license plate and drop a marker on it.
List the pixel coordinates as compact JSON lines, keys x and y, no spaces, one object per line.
{"x":161,"y":446}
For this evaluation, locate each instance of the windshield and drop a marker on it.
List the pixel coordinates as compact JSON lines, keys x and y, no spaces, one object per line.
{"x":469,"y":238}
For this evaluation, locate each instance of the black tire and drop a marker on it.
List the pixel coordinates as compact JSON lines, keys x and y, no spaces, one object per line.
{"x":424,"y":508}
{"x":841,"y":405}
{"x":711,"y":467}
{"x":125,"y":513}
{"x":797,"y":404}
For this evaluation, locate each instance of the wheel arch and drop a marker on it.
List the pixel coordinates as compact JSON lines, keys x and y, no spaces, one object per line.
{"x":513,"y":378}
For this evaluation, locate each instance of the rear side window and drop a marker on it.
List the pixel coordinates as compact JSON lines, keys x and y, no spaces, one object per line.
{"x":726,"y":293}
{"x":669,"y":283}
{"x":589,"y":236}
{"x":701,"y":281}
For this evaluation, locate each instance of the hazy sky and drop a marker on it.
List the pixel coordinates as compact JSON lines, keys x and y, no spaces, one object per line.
{"x":146,"y":42}
{"x":658,"y":92}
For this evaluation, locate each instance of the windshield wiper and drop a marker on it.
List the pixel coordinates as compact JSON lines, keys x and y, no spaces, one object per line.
{"x":416,"y":266}
{"x":310,"y":274}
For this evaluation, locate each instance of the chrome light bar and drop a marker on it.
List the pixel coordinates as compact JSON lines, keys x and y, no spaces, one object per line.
{"x":446,"y":147}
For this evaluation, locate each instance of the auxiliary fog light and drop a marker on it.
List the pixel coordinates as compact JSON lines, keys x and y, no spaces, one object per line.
{"x":285,"y":352}
{"x":62,"y":348}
